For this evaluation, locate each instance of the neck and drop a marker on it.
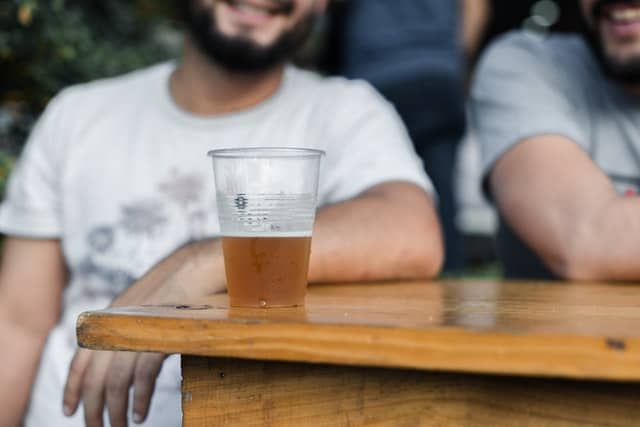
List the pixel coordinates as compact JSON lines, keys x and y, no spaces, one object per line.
{"x":202,"y":87}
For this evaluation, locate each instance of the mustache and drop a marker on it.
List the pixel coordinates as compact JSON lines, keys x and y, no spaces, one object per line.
{"x":276,"y":7}
{"x":599,"y":7}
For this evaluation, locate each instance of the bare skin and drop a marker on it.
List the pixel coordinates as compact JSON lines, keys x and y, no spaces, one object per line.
{"x":372,"y":236}
{"x":475,"y":17}
{"x":570,"y":215}
{"x":559,"y":202}
{"x":32,"y":278}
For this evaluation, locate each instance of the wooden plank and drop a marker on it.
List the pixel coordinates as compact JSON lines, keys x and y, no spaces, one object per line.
{"x":225,"y":392}
{"x":566,"y":330}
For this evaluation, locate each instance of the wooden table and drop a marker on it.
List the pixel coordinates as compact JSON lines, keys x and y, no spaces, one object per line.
{"x":479,"y":353}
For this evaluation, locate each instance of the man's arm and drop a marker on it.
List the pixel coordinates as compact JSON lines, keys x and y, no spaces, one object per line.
{"x":567,"y":210}
{"x":390,"y":231}
{"x":475,"y":16}
{"x":32,"y":278}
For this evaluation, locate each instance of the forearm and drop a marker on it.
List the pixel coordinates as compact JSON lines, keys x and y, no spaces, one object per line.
{"x":19,"y":359}
{"x":475,"y":17}
{"x":377,"y":236}
{"x":192,"y":271}
{"x":390,"y":234}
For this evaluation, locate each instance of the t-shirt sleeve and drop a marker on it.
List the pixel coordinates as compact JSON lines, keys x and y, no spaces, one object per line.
{"x":31,"y":207}
{"x":519,"y":92}
{"x":368,"y":145}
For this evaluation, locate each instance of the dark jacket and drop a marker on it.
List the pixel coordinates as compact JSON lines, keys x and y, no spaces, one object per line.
{"x":408,"y":49}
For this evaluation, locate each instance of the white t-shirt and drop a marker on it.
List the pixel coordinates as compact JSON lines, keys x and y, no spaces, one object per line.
{"x":120,"y":174}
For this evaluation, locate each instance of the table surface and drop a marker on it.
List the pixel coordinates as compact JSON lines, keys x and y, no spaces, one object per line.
{"x":572,"y":330}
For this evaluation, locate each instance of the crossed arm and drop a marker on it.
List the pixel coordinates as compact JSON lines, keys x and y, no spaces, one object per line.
{"x":389,"y":231}
{"x":566,"y":209}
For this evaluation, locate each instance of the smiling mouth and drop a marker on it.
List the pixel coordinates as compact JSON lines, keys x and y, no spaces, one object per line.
{"x":620,"y":12}
{"x":265,"y":8}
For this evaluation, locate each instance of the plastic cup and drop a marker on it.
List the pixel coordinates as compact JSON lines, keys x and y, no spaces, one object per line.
{"x":266,"y":199}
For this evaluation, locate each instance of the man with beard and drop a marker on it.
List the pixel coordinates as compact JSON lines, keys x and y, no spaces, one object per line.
{"x":114,"y":178}
{"x":559,"y":123}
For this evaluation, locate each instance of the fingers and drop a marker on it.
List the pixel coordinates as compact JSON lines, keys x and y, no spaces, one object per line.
{"x":93,"y":388}
{"x":119,"y":379}
{"x":147,"y":370}
{"x":73,"y":387}
{"x":100,"y":378}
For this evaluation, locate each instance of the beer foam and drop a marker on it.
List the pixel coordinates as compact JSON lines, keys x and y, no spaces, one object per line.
{"x":265,"y":234}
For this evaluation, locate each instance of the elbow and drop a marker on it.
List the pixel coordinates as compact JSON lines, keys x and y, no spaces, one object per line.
{"x":574,"y":262}
{"x":426,"y":258}
{"x":433,"y":260}
{"x":35,"y":325}
{"x":428,"y":254}
{"x":431,"y":267}
{"x":574,"y":268}
{"x":415,"y":249}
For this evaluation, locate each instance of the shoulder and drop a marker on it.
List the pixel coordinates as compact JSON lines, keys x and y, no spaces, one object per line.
{"x":334,"y":94}
{"x":105,"y":92}
{"x":520,"y":49}
{"x":561,"y":63}
{"x":82,"y":107}
{"x":334,"y":89}
{"x":527,"y":42}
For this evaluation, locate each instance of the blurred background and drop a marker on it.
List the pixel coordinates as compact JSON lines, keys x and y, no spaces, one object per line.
{"x":46,"y":45}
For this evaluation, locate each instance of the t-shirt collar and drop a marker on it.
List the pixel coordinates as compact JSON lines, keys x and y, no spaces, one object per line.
{"x":191,"y":120}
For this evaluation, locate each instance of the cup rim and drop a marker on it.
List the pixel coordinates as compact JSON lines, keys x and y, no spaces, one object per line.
{"x":266,"y":152}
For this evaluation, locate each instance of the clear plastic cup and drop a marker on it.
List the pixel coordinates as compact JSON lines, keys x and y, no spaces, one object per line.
{"x":266,"y":199}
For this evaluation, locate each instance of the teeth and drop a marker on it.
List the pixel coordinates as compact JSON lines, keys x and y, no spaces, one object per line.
{"x":625,"y":15}
{"x":250,"y":8}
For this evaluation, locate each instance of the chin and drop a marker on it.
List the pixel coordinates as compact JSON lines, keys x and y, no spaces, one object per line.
{"x":625,"y":71}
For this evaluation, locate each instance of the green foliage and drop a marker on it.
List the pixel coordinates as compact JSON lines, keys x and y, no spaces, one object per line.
{"x":487,"y":271}
{"x":46,"y":45}
{"x":6,"y":164}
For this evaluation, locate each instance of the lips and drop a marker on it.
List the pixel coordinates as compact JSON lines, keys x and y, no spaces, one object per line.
{"x":621,"y":19}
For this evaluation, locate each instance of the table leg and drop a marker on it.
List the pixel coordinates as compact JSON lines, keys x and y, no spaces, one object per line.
{"x":233,"y":392}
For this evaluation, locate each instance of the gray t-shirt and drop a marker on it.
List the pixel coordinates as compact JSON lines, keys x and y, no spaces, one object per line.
{"x":526,"y":86}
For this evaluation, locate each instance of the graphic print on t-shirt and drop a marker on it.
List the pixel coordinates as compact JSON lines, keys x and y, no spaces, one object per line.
{"x":146,"y":230}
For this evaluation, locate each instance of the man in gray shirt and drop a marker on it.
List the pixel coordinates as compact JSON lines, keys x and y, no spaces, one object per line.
{"x":559,"y":124}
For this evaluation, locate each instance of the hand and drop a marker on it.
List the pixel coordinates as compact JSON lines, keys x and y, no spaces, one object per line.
{"x":102,"y":379}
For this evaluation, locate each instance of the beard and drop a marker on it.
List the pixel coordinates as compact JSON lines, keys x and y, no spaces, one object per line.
{"x":238,"y":53}
{"x":626,"y":71}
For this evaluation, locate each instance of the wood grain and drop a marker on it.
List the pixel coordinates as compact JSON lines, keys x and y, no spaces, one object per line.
{"x":226,"y":392}
{"x":588,"y":331}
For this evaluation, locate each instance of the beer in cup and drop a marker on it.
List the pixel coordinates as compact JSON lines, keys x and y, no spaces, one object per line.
{"x":266,"y":199}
